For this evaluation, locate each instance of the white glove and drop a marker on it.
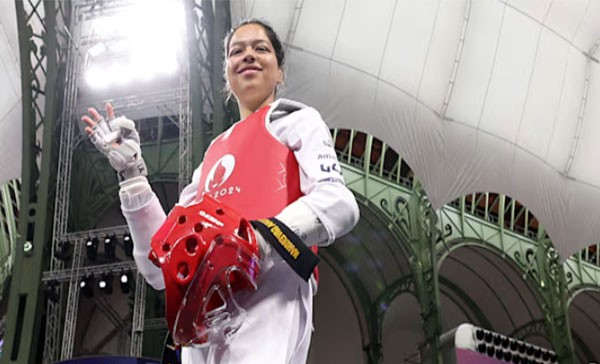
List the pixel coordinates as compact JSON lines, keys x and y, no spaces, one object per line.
{"x":118,"y":140}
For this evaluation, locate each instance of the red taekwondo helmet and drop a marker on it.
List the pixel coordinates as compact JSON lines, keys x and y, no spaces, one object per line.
{"x":209,"y":257}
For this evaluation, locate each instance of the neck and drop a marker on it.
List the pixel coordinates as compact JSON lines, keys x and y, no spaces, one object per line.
{"x":247,"y":108}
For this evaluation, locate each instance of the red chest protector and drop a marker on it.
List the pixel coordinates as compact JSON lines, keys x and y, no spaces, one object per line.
{"x":251,"y":171}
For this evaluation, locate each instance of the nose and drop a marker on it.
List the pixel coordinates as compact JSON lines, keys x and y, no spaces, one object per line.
{"x":249,"y":56}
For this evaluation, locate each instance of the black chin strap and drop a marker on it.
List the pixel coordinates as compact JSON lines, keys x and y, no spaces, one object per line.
{"x":288,"y":245}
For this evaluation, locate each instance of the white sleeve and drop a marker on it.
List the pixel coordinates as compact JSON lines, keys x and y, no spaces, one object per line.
{"x":333,"y":206}
{"x":144,"y":215}
{"x":189,"y":193}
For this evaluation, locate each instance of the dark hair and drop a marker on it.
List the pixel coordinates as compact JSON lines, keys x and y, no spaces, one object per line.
{"x":273,"y":37}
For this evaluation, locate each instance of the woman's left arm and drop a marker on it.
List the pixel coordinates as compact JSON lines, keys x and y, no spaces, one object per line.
{"x":328,"y":208}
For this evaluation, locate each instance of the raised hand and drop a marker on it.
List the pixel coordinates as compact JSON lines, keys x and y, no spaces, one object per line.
{"x":118,"y":140}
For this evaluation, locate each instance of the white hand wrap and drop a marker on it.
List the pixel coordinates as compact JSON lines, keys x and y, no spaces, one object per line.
{"x":118,"y":140}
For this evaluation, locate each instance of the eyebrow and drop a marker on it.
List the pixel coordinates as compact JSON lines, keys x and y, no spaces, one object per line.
{"x":252,"y":41}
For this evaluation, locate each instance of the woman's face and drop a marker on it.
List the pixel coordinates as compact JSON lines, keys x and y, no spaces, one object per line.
{"x":252,"y":69}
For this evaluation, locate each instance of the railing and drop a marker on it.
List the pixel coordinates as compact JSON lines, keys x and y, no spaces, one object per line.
{"x":375,"y":157}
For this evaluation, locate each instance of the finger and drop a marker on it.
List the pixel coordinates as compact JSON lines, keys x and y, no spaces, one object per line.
{"x":88,"y":130}
{"x":110,"y":112}
{"x":86,"y":119}
{"x":95,"y":114}
{"x":122,"y":123}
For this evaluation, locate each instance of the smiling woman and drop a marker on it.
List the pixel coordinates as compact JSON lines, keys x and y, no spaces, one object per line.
{"x":299,"y":202}
{"x":254,"y":61}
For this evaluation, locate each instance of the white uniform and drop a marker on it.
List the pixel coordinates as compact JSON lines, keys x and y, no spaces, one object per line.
{"x":279,"y":322}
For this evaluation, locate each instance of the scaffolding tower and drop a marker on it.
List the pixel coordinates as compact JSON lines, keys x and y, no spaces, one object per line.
{"x":51,"y":45}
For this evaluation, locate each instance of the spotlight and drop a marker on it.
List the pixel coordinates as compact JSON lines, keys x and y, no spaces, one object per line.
{"x":479,"y":333}
{"x":126,"y":282}
{"x":51,"y":291}
{"x":109,"y":246}
{"x":497,"y":339}
{"x":499,"y":353}
{"x":106,"y":283}
{"x":530,"y":350}
{"x":128,"y":245}
{"x":62,"y":250}
{"x":545,"y":355}
{"x":87,"y":285}
{"x":97,"y":49}
{"x":91,"y":248}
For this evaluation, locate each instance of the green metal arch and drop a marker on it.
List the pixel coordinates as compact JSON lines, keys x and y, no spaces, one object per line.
{"x":576,"y":290}
{"x":468,"y":242}
{"x":393,"y":229}
{"x":455,"y":244}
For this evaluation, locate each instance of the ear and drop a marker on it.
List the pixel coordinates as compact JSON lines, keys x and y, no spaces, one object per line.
{"x":280,"y":78}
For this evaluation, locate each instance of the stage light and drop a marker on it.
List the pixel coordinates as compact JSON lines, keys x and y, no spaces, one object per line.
{"x":479,"y":334}
{"x":87,"y":285}
{"x":121,"y":74}
{"x":497,"y":339}
{"x":481,"y":348}
{"x":109,"y":246}
{"x":51,"y":290}
{"x":128,"y":46}
{"x":105,"y":284}
{"x":97,"y":49}
{"x":126,"y":282}
{"x":128,"y":245}
{"x":96,"y":77}
{"x":499,"y":353}
{"x":91,"y":248}
{"x":62,"y":250}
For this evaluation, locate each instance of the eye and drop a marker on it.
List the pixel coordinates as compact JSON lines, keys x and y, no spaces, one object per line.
{"x":234,"y":51}
{"x":262,"y":49}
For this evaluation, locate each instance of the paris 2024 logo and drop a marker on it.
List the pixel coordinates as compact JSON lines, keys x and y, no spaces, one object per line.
{"x":216,"y":182}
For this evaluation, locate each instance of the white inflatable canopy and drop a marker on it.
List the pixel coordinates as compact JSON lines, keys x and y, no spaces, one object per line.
{"x":477,"y":96}
{"x":481,"y":95}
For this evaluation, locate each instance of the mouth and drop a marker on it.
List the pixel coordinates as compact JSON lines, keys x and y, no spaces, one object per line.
{"x":249,"y":69}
